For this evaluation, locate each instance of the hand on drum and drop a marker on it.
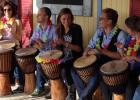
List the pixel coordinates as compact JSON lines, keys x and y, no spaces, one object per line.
{"x":1,"y":33}
{"x":54,"y":43}
{"x":37,"y":43}
{"x":93,"y":52}
{"x":128,"y":58}
{"x":90,"y":52}
{"x":0,"y":36}
{"x":16,"y":43}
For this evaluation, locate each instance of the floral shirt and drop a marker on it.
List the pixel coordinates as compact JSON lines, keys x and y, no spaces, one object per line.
{"x":8,"y":28}
{"x":46,"y":36}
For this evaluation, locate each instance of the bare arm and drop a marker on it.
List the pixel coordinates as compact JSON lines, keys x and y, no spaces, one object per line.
{"x":72,"y":46}
{"x":19,"y":30}
{"x":111,"y":54}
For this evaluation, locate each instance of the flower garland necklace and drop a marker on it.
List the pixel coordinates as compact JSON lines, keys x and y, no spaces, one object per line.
{"x":4,"y":20}
{"x":7,"y":25}
{"x":99,"y":40}
{"x":52,"y":57}
{"x":133,"y":46}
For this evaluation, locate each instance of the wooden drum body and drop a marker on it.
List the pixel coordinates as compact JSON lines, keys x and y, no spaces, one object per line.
{"x":26,"y":60}
{"x":6,"y":63}
{"x":115,"y":75}
{"x":6,"y":60}
{"x":50,"y":64}
{"x":52,"y":71}
{"x":86,"y":67}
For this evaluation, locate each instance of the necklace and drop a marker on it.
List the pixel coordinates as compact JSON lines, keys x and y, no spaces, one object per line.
{"x":100,"y":38}
{"x":133,"y":46}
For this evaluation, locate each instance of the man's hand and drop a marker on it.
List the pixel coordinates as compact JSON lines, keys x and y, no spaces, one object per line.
{"x":119,"y":45}
{"x":93,"y":52}
{"x":90,"y":51}
{"x":54,"y":43}
{"x":37,"y":43}
{"x":128,"y":58}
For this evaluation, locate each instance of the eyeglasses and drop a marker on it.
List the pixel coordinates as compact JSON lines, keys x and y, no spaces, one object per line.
{"x":102,"y":18}
{"x":7,"y":9}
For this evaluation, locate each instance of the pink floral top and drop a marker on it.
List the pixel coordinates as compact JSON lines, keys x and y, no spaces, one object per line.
{"x":8,"y":28}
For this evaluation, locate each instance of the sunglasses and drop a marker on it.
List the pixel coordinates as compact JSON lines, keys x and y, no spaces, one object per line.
{"x":7,"y":10}
{"x":102,"y":18}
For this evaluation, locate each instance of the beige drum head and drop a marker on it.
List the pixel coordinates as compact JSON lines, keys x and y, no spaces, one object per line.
{"x":52,"y":54}
{"x":84,"y":61}
{"x":7,"y":44}
{"x":114,"y":67}
{"x":25,"y":51}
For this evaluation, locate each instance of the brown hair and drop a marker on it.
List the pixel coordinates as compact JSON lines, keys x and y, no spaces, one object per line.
{"x":133,"y":22}
{"x":1,"y":12}
{"x":47,"y":11}
{"x":12,"y":5}
{"x":60,"y":27}
{"x":111,"y":14}
{"x":138,"y":25}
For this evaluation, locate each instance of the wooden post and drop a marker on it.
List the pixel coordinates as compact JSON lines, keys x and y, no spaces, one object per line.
{"x":97,"y":95}
{"x":58,"y":89}
{"x":29,"y":83}
{"x":118,"y":96}
{"x":5,"y":86}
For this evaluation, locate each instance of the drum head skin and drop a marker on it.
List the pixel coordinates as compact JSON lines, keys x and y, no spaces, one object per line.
{"x":114,"y":67}
{"x":84,"y":61}
{"x":51,"y":54}
{"x":7,"y":44}
{"x":25,"y":51}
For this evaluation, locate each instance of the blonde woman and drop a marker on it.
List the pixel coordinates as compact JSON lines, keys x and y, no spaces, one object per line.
{"x":11,"y":29}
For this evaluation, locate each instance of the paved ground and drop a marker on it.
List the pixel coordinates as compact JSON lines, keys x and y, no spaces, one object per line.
{"x":21,"y":96}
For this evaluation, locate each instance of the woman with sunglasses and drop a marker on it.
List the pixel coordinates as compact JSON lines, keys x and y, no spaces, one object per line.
{"x":11,"y":30}
{"x":10,"y":26}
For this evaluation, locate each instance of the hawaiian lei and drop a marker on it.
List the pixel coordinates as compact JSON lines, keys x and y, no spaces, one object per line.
{"x":45,"y":58}
{"x":133,"y":46}
{"x":98,"y":42}
{"x":7,"y":25}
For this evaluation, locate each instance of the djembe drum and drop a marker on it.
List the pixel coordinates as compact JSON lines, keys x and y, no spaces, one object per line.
{"x":50,"y":64}
{"x":86,"y":67}
{"x":26,"y":60}
{"x":115,"y":75}
{"x":6,"y":63}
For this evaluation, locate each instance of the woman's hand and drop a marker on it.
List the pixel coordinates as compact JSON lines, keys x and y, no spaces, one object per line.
{"x":0,"y":35}
{"x":2,"y":31}
{"x":60,"y":42}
